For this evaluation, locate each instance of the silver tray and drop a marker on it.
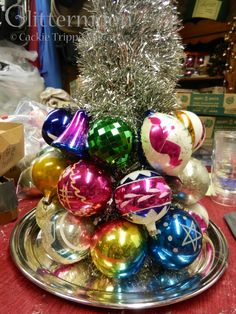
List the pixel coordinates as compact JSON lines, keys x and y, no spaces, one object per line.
{"x":81,"y":283}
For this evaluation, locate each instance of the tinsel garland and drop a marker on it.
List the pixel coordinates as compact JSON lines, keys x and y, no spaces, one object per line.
{"x":130,"y":57}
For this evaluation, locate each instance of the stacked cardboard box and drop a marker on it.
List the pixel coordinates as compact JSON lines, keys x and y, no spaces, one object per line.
{"x":208,"y":103}
{"x":11,"y":151}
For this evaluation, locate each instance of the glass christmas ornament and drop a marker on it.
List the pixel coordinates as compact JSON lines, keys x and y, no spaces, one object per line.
{"x":67,"y":238}
{"x":46,"y":171}
{"x":111,"y":141}
{"x":118,"y":249}
{"x":195,"y":182}
{"x":194,"y":125}
{"x":74,"y":139}
{"x":55,"y":124}
{"x":84,"y":189}
{"x":166,"y":143}
{"x":200,"y":214}
{"x":143,"y":197}
{"x":178,"y":242}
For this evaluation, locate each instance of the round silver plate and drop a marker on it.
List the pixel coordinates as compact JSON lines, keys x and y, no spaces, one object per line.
{"x":81,"y":283}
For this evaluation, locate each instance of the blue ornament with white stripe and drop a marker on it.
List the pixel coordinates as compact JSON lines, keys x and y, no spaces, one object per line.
{"x":143,"y":197}
{"x":178,"y":241}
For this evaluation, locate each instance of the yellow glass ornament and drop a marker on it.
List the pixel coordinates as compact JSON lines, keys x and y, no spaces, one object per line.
{"x":118,"y":249}
{"x":46,"y":171}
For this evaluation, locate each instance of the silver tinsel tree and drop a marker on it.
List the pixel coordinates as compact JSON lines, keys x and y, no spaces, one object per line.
{"x":130,"y":58}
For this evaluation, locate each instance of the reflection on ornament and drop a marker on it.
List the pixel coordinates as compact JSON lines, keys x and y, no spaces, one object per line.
{"x":67,"y":238}
{"x":179,"y":240}
{"x":200,"y":214}
{"x":46,"y":171}
{"x":55,"y":124}
{"x":174,"y":183}
{"x":111,"y":140}
{"x":74,"y":139}
{"x":47,"y":149}
{"x":143,"y":197}
{"x":194,"y":125}
{"x":77,"y":274}
{"x":205,"y":259}
{"x":103,"y":283}
{"x":84,"y":189}
{"x":166,"y":143}
{"x":44,"y":211}
{"x":41,"y":256}
{"x":195,"y":182}
{"x":118,"y":249}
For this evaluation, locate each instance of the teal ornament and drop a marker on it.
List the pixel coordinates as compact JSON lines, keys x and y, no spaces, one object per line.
{"x":111,"y":141}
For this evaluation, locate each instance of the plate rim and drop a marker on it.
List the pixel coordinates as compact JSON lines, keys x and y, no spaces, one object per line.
{"x":29,"y":274}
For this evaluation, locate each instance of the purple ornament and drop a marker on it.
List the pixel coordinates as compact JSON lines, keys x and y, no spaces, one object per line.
{"x":143,"y":197}
{"x":74,"y":139}
{"x":55,"y":124}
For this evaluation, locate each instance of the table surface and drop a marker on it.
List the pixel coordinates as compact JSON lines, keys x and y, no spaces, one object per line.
{"x":18,"y":295}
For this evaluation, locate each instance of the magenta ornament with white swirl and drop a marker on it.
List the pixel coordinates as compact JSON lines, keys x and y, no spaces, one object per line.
{"x":143,"y":197}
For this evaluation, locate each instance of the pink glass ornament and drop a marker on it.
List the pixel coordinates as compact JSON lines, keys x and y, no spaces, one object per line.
{"x":201,"y":222}
{"x":143,"y":197}
{"x":200,"y":214}
{"x":84,"y":189}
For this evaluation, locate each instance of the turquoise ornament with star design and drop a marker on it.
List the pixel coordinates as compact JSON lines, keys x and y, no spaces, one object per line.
{"x":178,"y":241}
{"x":111,"y":141}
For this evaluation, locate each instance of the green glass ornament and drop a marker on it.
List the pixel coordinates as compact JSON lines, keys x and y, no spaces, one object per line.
{"x":111,"y":140}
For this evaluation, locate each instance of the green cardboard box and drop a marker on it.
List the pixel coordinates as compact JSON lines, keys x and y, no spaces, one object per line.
{"x":207,"y":103}
{"x":211,"y":104}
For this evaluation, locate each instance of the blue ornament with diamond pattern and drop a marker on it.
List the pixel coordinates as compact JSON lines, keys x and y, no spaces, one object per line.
{"x":178,"y":241}
{"x":110,"y":140}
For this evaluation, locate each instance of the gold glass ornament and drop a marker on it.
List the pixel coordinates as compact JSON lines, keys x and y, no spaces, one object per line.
{"x":118,"y":249}
{"x":46,"y":171}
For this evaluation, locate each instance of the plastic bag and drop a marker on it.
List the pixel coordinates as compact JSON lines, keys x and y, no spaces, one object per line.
{"x":32,"y":115}
{"x":18,"y":78}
